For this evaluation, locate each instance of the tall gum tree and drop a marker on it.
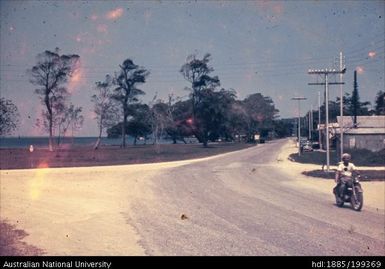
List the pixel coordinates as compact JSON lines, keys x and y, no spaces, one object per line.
{"x":105,"y":107}
{"x":127,"y":92}
{"x":197,"y":72}
{"x":50,"y":74}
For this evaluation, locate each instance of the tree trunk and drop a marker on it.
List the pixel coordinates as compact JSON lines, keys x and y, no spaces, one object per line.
{"x":96,"y":146}
{"x":58,"y":137}
{"x":72,"y":135}
{"x":124,"y":130}
{"x":155,"y":135}
{"x":50,"y":139}
{"x":99,"y":139}
{"x":205,"y":143}
{"x":205,"y":139}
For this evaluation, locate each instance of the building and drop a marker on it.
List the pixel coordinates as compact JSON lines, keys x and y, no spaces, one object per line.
{"x":369,"y":132}
{"x":332,"y":134}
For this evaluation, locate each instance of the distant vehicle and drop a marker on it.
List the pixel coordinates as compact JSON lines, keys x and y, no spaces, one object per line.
{"x":303,"y":140}
{"x":307,"y":147}
{"x":315,"y":145}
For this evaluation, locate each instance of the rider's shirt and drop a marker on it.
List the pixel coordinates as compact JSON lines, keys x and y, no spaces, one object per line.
{"x":346,"y":170}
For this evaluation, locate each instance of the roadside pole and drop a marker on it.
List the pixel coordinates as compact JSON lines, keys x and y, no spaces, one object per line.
{"x":341,"y":110}
{"x":299,"y":99}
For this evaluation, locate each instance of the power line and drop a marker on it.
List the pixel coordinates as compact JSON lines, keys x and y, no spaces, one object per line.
{"x":264,"y":62}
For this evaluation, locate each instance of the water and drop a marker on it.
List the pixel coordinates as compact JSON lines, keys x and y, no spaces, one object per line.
{"x":42,"y":142}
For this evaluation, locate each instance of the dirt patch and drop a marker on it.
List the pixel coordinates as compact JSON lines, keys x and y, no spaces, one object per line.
{"x":366,"y":175}
{"x":11,"y":243}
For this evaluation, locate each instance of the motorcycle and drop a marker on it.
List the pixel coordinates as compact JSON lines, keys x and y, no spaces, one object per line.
{"x":352,"y":194}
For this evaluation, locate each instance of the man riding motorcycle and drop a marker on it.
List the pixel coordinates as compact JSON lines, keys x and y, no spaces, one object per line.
{"x":343,"y":174}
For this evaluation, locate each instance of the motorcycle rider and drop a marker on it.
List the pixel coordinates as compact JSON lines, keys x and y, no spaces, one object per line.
{"x":344,"y":172}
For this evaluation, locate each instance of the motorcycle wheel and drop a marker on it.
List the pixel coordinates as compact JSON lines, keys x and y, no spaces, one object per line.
{"x":357,"y":200}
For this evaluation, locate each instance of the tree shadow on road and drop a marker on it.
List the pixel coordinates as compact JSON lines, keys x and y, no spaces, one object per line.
{"x":11,"y":243}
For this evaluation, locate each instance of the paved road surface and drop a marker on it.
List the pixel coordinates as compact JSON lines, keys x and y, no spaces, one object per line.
{"x":238,"y":205}
{"x":235,"y":204}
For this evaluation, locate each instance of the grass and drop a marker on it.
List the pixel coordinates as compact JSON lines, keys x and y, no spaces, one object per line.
{"x":110,"y":155}
{"x":366,"y":175}
{"x":360,"y":157}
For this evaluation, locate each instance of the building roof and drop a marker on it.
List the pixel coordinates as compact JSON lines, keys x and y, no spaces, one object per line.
{"x":365,"y":125}
{"x":363,"y":121}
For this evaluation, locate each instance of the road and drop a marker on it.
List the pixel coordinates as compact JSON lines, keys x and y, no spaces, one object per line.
{"x":234,"y":204}
{"x":237,"y":205}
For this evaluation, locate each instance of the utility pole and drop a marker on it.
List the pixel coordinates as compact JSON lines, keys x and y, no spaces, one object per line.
{"x":341,"y":110}
{"x":327,"y":122}
{"x":319,"y":120}
{"x":299,"y":99}
{"x":308,"y":124}
{"x":310,"y":121}
{"x":326,"y":73}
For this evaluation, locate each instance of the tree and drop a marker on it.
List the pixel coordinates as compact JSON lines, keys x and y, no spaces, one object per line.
{"x":179,"y":116}
{"x":261,"y":113}
{"x":355,"y":100}
{"x":238,"y":120}
{"x":158,"y":118}
{"x":139,"y":124}
{"x":60,"y":117}
{"x":115,"y":131}
{"x":126,"y":93}
{"x":197,"y":72}
{"x":68,"y":117}
{"x":106,"y":111}
{"x":75,"y":119}
{"x":380,"y":103}
{"x":284,"y":127}
{"x":9,"y":117}
{"x":355,"y":107}
{"x":50,"y":73}
{"x":213,"y":113}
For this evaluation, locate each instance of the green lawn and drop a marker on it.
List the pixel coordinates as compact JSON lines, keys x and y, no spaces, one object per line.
{"x":360,"y":157}
{"x":366,"y":175}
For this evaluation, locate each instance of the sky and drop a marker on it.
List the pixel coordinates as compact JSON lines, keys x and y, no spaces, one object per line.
{"x":256,"y":46}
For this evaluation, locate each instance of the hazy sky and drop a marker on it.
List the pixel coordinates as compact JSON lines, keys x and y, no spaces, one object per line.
{"x":256,"y":46}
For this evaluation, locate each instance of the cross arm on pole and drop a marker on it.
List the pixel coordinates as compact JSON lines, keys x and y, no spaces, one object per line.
{"x":326,"y":71}
{"x":323,"y":83}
